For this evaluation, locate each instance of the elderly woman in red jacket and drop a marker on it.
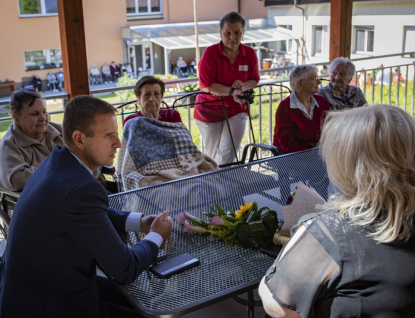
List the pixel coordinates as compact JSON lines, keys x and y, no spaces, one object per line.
{"x":299,"y":117}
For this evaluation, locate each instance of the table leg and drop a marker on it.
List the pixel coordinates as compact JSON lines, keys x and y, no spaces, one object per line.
{"x":251,"y":304}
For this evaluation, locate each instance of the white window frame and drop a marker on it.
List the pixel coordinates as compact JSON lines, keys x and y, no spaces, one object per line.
{"x":48,"y":59}
{"x":288,"y":43}
{"x":323,"y":40}
{"x":145,"y":15}
{"x":366,"y":29}
{"x":42,"y":9}
{"x":409,"y":31}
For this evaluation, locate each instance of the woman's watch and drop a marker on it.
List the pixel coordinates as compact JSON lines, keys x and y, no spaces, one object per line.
{"x":231,"y":91}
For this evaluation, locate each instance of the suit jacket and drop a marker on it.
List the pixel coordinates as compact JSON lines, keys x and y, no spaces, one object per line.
{"x":60,"y":229}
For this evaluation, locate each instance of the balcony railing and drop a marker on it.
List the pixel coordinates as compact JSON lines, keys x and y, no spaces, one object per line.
{"x":384,"y":88}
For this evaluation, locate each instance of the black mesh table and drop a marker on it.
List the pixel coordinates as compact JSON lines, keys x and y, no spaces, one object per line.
{"x":225,"y":271}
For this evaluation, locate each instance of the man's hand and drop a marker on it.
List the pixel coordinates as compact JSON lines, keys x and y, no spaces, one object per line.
{"x":163,"y":225}
{"x":146,"y":221}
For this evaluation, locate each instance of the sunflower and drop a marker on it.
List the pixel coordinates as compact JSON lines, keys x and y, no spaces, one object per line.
{"x":243,"y":209}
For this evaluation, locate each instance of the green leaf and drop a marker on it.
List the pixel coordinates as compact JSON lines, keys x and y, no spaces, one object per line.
{"x":265,"y":208}
{"x":231,"y":211}
{"x":260,"y":233}
{"x":253,"y":216}
{"x":270,"y":221}
{"x":220,"y":210}
{"x":201,"y":223}
{"x":209,"y":214}
{"x":229,"y":218}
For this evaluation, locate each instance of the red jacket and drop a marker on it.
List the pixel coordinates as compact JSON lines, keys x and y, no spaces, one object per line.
{"x":294,"y":131}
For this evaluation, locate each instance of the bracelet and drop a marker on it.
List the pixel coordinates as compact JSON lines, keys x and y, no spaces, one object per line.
{"x":231,"y":91}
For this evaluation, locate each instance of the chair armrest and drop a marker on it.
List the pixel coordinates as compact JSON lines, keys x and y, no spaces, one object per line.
{"x":111,"y":184}
{"x":15,"y":194}
{"x":276,"y":151}
{"x":108,"y":170}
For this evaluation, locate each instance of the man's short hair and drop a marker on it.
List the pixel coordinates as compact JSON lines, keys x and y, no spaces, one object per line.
{"x":148,"y":80}
{"x":231,"y":18}
{"x":80,"y":115}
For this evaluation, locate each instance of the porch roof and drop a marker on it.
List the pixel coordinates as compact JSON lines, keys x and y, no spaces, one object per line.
{"x":182,"y":35}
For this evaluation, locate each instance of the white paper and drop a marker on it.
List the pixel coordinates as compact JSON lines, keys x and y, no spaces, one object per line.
{"x":305,"y":201}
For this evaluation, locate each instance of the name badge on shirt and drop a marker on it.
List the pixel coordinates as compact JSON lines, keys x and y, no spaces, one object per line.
{"x":243,"y":68}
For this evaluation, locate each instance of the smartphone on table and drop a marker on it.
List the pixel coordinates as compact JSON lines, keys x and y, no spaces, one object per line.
{"x":174,"y":265}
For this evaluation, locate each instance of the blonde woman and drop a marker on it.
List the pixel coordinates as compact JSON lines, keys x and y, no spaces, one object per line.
{"x":356,"y":259}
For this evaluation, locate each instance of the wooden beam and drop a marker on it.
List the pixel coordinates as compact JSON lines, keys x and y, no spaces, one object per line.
{"x":340,"y":28}
{"x":72,"y":33}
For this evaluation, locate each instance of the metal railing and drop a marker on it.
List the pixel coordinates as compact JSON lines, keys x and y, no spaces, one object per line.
{"x":383,"y":88}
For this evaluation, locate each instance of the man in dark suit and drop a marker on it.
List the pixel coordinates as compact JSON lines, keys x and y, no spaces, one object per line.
{"x":62,"y":227}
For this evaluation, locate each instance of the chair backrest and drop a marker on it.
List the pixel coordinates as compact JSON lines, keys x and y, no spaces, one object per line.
{"x":8,"y":201}
{"x":131,"y":107}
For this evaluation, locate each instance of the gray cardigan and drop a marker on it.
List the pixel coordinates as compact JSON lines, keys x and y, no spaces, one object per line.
{"x":20,"y":155}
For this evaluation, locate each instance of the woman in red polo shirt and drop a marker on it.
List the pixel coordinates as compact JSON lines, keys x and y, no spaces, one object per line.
{"x":149,"y":92}
{"x":226,"y":69}
{"x":299,"y":117}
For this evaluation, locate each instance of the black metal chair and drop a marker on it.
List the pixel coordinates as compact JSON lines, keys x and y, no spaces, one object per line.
{"x":8,"y":201}
{"x":189,"y":100}
{"x":131,"y":107}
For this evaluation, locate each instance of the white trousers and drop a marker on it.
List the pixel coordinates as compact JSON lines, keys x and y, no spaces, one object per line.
{"x":217,"y":140}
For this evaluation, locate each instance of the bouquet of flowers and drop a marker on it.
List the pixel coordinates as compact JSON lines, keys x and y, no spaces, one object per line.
{"x":247,"y":227}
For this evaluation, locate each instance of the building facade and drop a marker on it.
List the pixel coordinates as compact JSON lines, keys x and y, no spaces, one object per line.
{"x":378,"y":28}
{"x":30,"y":38}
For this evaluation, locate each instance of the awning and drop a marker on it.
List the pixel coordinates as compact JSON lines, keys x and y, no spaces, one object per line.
{"x":182,"y":35}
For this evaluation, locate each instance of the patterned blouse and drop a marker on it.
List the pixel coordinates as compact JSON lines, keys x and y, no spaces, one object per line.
{"x":334,"y":269}
{"x":353,"y":98}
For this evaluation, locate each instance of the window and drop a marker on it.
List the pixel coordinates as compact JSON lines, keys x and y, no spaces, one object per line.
{"x":38,"y":7}
{"x":287,"y":45}
{"x":318,"y":40}
{"x":364,"y":38}
{"x":148,"y":9}
{"x":41,"y":59}
{"x":409,"y":40}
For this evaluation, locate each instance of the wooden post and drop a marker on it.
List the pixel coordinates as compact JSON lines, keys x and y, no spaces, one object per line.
{"x":340,"y":28}
{"x":72,"y":33}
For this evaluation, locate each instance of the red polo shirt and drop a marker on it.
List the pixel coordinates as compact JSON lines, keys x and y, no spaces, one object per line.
{"x":293,"y":130}
{"x":167,"y":115}
{"x":215,"y":67}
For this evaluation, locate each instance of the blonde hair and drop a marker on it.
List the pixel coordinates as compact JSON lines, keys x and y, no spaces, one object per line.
{"x":370,"y":156}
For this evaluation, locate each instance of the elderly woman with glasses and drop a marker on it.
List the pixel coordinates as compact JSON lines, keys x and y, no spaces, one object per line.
{"x":28,"y":141}
{"x":299,"y":116}
{"x":338,"y":92}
